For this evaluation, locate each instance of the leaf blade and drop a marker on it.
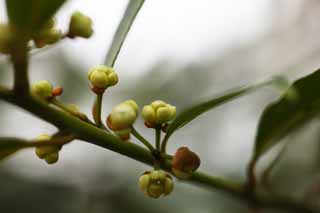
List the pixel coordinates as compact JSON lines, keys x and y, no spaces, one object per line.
{"x":193,"y":112}
{"x":29,"y":15}
{"x":298,"y":105}
{"x":122,"y":31}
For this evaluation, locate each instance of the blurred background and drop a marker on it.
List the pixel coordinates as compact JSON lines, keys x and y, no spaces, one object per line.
{"x":182,"y":53}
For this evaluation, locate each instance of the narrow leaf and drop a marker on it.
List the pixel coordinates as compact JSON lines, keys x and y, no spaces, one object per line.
{"x":127,"y":20}
{"x":299,"y":104}
{"x":29,"y":15}
{"x":193,"y":112}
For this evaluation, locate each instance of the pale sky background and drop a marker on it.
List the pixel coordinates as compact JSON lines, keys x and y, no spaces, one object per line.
{"x":182,"y":31}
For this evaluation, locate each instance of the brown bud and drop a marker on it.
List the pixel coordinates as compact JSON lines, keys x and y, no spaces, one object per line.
{"x":184,"y":163}
{"x":57,"y":91}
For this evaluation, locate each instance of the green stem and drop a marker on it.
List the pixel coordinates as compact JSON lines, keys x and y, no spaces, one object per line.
{"x":19,"y":58}
{"x":6,"y":142}
{"x":99,"y":137}
{"x":158,"y":138}
{"x":128,"y":18}
{"x":164,"y":144}
{"x":97,"y":110}
{"x":142,"y":139}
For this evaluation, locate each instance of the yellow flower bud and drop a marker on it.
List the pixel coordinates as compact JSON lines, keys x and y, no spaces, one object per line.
{"x":133,"y":104}
{"x":124,"y":134}
{"x":42,"y":151}
{"x":99,"y":79}
{"x":168,"y":185}
{"x":80,"y":26}
{"x":123,"y":115}
{"x":73,"y":108}
{"x":52,"y":158}
{"x":184,"y":163}
{"x":5,"y":38}
{"x":156,"y":183}
{"x":113,"y":79}
{"x":102,"y":77}
{"x":144,"y":181}
{"x":46,"y":37}
{"x":48,"y":153}
{"x":157,"y":104}
{"x":149,"y":114}
{"x":165,"y":114}
{"x":158,"y":113}
{"x":42,"y":89}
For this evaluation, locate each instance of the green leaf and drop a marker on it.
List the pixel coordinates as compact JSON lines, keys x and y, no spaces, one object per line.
{"x":9,"y":147}
{"x":299,"y":104}
{"x":123,"y":29}
{"x":193,"y":112}
{"x":29,"y":15}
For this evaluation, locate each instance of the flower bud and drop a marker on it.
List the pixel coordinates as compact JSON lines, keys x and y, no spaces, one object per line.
{"x":42,"y":89}
{"x":165,"y":114}
{"x":156,"y":183}
{"x":52,"y":158}
{"x":44,"y":151}
{"x":133,"y":104}
{"x":102,"y":77}
{"x":5,"y":38}
{"x":47,"y":34}
{"x":149,"y":114}
{"x":124,"y":134}
{"x":80,"y":26}
{"x":184,"y":162}
{"x":123,"y":115}
{"x":46,"y":37}
{"x":158,"y":113}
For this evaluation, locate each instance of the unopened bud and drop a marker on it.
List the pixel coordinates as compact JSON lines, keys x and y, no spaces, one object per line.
{"x":184,"y":163}
{"x":80,"y":26}
{"x":46,"y":37}
{"x":52,"y":158}
{"x":124,"y":134}
{"x":42,"y":89}
{"x":102,"y":77}
{"x":156,"y":183}
{"x":46,"y":152}
{"x":158,"y":113}
{"x":123,"y":115}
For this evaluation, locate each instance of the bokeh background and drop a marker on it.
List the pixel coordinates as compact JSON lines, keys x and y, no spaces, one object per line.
{"x":182,"y":52}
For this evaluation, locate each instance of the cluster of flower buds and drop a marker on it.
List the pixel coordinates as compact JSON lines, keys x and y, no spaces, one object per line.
{"x":158,"y":114}
{"x":102,"y":77}
{"x":43,"y":89}
{"x":122,"y":117}
{"x":80,"y":26}
{"x":156,"y":183}
{"x":47,"y":35}
{"x":49,"y":153}
{"x":6,"y":39}
{"x":184,"y":163}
